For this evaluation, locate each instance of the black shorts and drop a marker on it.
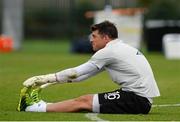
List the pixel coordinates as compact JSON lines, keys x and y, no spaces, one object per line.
{"x":123,"y":102}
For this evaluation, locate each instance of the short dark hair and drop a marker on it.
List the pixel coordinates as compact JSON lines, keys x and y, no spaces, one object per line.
{"x":106,"y":28}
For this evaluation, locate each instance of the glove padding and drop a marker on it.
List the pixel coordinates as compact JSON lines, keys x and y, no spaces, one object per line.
{"x":40,"y":80}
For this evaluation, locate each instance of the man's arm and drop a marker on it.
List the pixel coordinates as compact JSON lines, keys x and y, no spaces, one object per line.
{"x":79,"y":73}
{"x":86,"y":76}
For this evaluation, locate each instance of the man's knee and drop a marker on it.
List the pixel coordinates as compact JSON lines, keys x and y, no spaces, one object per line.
{"x":85,"y":101}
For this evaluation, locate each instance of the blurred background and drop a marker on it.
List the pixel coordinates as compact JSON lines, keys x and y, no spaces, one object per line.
{"x":141,"y":23}
{"x":45,"y":36}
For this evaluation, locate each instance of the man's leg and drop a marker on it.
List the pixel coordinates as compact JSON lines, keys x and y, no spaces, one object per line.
{"x":81,"y":103}
{"x":31,"y":102}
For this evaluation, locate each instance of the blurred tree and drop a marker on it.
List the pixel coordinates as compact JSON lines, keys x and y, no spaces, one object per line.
{"x":159,"y":19}
{"x":79,"y":17}
{"x":144,"y":3}
{"x":47,"y":22}
{"x":163,"y":9}
{"x":55,"y":22}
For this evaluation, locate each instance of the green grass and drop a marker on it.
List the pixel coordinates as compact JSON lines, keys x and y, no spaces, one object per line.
{"x":39,"y":57}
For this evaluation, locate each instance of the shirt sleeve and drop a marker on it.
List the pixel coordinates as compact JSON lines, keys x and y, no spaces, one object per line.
{"x":95,"y":65}
{"x":86,"y":76}
{"x":85,"y":68}
{"x":78,"y":73}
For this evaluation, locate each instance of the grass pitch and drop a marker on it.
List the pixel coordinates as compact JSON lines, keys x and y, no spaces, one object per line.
{"x":37,"y":57}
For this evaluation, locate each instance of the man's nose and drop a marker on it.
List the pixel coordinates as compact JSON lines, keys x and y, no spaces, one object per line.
{"x":90,"y":38}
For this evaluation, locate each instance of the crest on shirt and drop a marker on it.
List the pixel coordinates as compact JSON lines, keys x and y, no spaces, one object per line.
{"x":138,"y":53}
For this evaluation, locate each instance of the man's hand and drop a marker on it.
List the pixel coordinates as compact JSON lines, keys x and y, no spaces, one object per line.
{"x":40,"y":80}
{"x":36,"y":80}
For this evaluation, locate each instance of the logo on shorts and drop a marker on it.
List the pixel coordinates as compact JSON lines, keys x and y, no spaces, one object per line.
{"x":112,"y":96}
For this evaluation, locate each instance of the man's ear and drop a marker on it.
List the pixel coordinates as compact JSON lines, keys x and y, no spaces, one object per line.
{"x":106,"y":37}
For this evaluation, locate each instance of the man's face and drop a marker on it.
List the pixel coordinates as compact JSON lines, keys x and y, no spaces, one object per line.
{"x":98,"y":41}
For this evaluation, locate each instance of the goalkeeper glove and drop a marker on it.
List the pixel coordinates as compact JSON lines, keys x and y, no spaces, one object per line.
{"x":40,"y":80}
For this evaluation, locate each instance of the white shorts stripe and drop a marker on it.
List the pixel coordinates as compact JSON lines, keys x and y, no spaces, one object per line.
{"x":96,"y":106}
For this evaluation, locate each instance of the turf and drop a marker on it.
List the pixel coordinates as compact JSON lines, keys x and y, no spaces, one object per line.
{"x":38,"y":57}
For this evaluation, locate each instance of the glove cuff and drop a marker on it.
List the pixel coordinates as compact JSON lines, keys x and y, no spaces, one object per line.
{"x":51,"y":77}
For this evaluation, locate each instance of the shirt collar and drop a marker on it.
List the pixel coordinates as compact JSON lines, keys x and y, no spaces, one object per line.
{"x":113,"y":41}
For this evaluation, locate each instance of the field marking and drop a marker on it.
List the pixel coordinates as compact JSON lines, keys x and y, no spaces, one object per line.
{"x":94,"y":117}
{"x":167,"y":105}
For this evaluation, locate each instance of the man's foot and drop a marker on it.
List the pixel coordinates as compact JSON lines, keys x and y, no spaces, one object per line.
{"x":28,"y":96}
{"x":22,"y":102}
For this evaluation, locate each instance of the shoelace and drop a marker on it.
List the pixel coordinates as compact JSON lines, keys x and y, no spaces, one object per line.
{"x":32,"y":97}
{"x":35,"y":95}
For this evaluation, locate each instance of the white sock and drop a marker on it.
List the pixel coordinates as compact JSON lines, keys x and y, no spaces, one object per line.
{"x":37,"y":107}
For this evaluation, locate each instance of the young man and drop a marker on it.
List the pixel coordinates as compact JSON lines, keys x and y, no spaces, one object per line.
{"x":126,"y":65}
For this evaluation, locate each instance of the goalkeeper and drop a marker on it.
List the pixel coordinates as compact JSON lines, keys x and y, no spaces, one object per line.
{"x":127,"y":67}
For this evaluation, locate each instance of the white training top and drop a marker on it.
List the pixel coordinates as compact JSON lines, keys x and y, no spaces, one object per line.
{"x":127,"y":67}
{"x":125,"y":64}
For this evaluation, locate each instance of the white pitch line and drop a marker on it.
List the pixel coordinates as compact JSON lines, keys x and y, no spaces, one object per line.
{"x":167,"y":105}
{"x":94,"y":117}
